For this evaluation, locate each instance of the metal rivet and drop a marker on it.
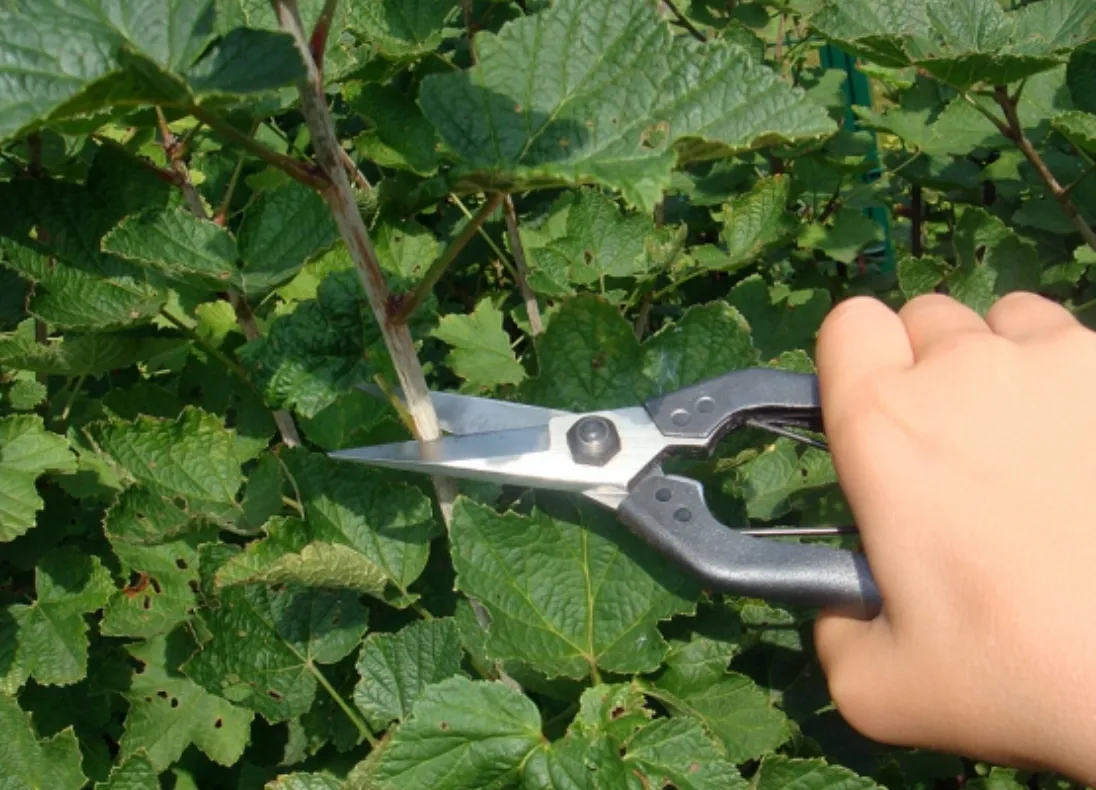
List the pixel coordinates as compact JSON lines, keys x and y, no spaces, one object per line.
{"x":680,"y":418}
{"x":683,"y":514}
{"x":705,"y":405}
{"x":663,"y":495}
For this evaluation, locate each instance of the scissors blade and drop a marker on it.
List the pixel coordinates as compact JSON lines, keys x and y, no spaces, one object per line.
{"x":538,"y":457}
{"x":468,"y":414}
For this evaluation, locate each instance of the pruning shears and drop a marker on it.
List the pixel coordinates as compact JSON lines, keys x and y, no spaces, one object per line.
{"x":614,"y":457}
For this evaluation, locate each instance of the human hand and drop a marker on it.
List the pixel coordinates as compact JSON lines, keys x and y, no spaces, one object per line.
{"x":964,"y":447}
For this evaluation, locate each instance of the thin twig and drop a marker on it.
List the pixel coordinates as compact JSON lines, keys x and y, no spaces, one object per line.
{"x":233,"y":366}
{"x":917,"y":218}
{"x":287,"y":428}
{"x":412,"y":301}
{"x":684,"y":20}
{"x":1080,"y":179}
{"x":532,"y":309}
{"x":353,"y":169}
{"x":503,"y":258}
{"x":35,"y":170}
{"x":355,"y":719}
{"x":337,"y":194}
{"x":1013,"y":129}
{"x":320,"y":31}
{"x":221,"y":216}
{"x":295,"y":169}
{"x":165,"y":175}
{"x":778,"y":52}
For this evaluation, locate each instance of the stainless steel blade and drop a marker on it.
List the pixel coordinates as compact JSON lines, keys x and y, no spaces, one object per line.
{"x":463,"y":415}
{"x":537,"y":457}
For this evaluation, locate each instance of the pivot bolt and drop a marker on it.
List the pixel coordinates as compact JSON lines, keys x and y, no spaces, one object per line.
{"x":593,"y":441}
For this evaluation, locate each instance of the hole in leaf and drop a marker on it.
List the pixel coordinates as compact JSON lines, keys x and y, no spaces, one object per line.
{"x":179,"y":502}
{"x":616,"y":712}
{"x":444,"y":726}
{"x":147,"y":603}
{"x":155,"y":585}
{"x":181,"y":564}
{"x":980,"y":253}
{"x":193,"y":585}
{"x":668,"y":785}
{"x":148,"y":699}
{"x":274,"y":695}
{"x":140,"y":516}
{"x":161,"y":694}
{"x":587,"y":256}
{"x":219,"y":723}
{"x":174,"y":702}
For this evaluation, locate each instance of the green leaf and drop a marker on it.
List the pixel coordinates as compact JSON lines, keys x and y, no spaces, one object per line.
{"x":918,"y":276}
{"x":613,"y":741}
{"x":992,"y":261}
{"x":327,"y":346}
{"x":76,"y":354}
{"x":27,"y":763}
{"x":409,"y":29}
{"x":161,"y":592}
{"x":168,"y":712}
{"x":287,"y":556}
{"x":26,"y":394}
{"x":568,"y":598}
{"x":694,"y":682}
{"x":773,"y":483}
{"x":708,"y":340}
{"x":405,"y":248}
{"x":591,"y":239}
{"x":76,"y":285}
{"x":398,"y":135}
{"x":754,"y":220}
{"x":843,"y":241}
{"x":678,"y":752}
{"x":786,"y":773}
{"x":304,"y":782}
{"x":136,"y":773}
{"x":601,"y":91}
{"x":27,"y":451}
{"x":389,"y":525}
{"x":198,"y":251}
{"x":1081,"y":77}
{"x":780,"y":319}
{"x":265,"y":644}
{"x":461,"y":734}
{"x":107,"y":60}
{"x":1077,"y":127}
{"x":282,"y":229}
{"x":960,"y":42}
{"x":397,"y":668}
{"x":589,"y":359}
{"x":47,"y":639}
{"x":193,"y":455}
{"x":481,"y":353}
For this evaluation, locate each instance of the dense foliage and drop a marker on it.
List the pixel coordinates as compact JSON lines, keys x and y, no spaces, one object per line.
{"x":575,"y":203}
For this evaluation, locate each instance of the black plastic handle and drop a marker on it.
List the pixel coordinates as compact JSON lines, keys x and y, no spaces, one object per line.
{"x":670,"y":513}
{"x":712,"y":407}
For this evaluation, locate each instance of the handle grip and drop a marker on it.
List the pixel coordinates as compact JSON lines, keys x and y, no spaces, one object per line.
{"x":711,"y":408}
{"x":670,"y":513}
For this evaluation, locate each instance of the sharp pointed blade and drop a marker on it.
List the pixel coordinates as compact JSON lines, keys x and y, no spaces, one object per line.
{"x":537,"y":457}
{"x":466,"y":414}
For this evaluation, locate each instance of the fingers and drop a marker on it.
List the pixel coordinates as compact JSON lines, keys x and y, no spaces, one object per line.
{"x":1023,"y":316}
{"x":935,"y":321}
{"x":860,"y":339}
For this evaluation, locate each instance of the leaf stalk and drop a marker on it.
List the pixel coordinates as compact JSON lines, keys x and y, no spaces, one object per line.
{"x":414,"y":300}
